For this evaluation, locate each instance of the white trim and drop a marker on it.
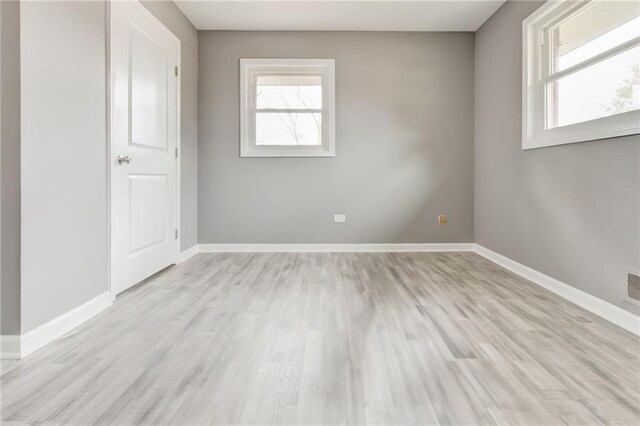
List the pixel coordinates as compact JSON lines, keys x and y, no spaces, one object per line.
{"x":250,"y":69}
{"x":110,"y":123}
{"x":109,"y":150}
{"x":535,"y":76}
{"x":324,"y":248}
{"x":606,"y":310}
{"x":18,"y":347}
{"x":613,"y":126}
{"x":9,"y":347}
{"x":189,"y":253}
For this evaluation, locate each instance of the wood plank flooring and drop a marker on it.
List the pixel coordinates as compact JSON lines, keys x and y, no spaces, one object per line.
{"x":332,"y":338}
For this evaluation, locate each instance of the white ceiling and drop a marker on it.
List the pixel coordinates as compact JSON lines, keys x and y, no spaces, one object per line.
{"x":344,"y":15}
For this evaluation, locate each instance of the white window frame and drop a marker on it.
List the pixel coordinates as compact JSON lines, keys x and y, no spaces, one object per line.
{"x":535,"y":75}
{"x":250,"y":69}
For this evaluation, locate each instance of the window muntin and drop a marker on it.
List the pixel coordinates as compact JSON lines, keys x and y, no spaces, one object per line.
{"x":581,"y":72}
{"x":288,"y":110}
{"x":287,"y":107}
{"x":609,"y":87}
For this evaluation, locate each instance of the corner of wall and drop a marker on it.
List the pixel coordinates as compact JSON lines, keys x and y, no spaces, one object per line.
{"x":10,"y":167}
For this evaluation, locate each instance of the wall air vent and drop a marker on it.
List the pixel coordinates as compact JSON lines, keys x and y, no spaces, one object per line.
{"x":633,"y":285}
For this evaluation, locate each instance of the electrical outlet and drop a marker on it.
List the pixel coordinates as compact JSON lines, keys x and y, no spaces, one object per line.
{"x":442,"y":220}
{"x":339,"y":218}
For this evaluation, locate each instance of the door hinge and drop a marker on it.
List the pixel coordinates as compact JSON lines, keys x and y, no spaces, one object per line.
{"x":176,"y":70}
{"x":176,"y":234}
{"x":176,"y":152}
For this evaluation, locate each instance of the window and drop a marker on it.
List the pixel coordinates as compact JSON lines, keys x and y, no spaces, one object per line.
{"x":581,"y":72}
{"x":287,"y":107}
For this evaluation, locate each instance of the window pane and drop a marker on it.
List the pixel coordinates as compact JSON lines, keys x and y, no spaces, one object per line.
{"x":594,"y":29}
{"x":603,"y":89}
{"x":289,"y":92}
{"x":288,"y":128}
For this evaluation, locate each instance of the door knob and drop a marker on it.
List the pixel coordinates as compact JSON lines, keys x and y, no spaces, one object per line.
{"x":124,"y":159}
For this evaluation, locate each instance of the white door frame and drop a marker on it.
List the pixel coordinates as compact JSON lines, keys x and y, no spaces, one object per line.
{"x":110,"y":141}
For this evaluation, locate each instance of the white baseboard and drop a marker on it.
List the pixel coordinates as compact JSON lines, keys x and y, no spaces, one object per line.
{"x":606,"y":310}
{"x":19,"y":347}
{"x":9,"y":347}
{"x":188,"y":253}
{"x":324,"y":248}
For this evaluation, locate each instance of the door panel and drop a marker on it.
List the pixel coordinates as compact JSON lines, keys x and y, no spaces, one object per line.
{"x":149,"y":205}
{"x":148,"y":91}
{"x":144,"y":97}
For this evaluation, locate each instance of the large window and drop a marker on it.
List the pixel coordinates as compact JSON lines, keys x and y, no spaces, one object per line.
{"x":581,"y":73}
{"x":287,"y":108}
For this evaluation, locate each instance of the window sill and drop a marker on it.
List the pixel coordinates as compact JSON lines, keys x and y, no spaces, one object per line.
{"x":615,"y":126}
{"x":287,"y":152}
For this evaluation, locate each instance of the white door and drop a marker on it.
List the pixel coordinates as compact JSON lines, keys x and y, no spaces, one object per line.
{"x":144,"y":84}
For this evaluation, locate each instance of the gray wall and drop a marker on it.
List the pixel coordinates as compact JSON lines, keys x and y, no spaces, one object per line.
{"x":64,"y":219}
{"x":572,"y":211}
{"x":64,"y":198}
{"x":404,"y":141}
{"x":10,"y":167}
{"x":168,"y":13}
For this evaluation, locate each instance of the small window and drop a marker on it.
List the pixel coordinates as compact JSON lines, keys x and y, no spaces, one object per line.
{"x":581,"y":72}
{"x":287,"y":107}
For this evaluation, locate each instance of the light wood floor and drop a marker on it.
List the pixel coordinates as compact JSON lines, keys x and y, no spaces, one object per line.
{"x":351,"y":338}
